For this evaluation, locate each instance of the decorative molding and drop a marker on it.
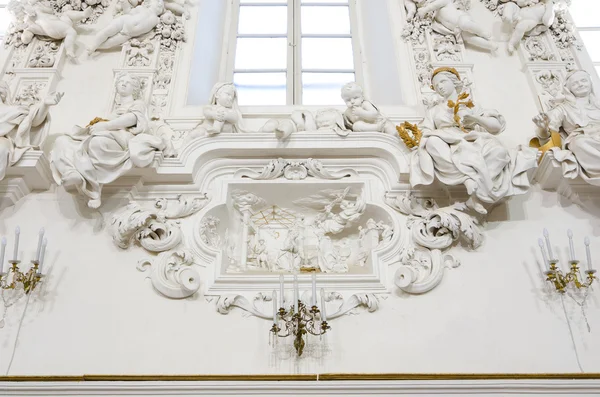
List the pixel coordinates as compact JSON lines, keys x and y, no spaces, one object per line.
{"x":158,"y":230}
{"x":376,"y":385}
{"x":295,"y":170}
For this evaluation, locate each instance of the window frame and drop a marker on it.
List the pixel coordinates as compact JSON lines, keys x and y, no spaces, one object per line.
{"x":294,"y":59}
{"x":583,"y":57}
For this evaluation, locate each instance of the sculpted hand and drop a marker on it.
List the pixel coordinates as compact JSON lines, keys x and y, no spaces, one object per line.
{"x":220,"y":115}
{"x":542,"y":120}
{"x":470,"y":121}
{"x":421,"y":12}
{"x":99,"y":127}
{"x":53,"y":98}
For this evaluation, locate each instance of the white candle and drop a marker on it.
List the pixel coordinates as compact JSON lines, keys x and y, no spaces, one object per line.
{"x":281,"y":290}
{"x":295,"y":293}
{"x":42,"y":255}
{"x":323,"y":314}
{"x":314,"y":289}
{"x":39,"y":247}
{"x":541,"y":244}
{"x":16,"y":251}
{"x":547,"y":237}
{"x":587,"y":252}
{"x":2,"y":249}
{"x":274,"y":307}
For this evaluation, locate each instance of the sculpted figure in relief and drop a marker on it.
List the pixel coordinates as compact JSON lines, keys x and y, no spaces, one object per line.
{"x":301,"y":120}
{"x":104,"y":150}
{"x":134,"y":23}
{"x":40,"y":20}
{"x":451,"y":18}
{"x":458,"y":147}
{"x":221,"y":115}
{"x":362,"y":115}
{"x":528,"y":17}
{"x":576,"y":116}
{"x":19,"y":124}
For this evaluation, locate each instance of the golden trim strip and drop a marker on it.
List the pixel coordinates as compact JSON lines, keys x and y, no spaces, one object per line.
{"x":308,"y":377}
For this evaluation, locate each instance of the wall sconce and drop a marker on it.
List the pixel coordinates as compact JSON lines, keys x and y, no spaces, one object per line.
{"x":299,"y":320}
{"x":14,"y":278}
{"x":555,"y":275}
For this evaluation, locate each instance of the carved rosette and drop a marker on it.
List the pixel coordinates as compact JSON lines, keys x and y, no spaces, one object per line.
{"x":295,"y":170}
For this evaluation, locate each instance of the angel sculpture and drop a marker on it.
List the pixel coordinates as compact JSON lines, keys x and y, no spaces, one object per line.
{"x":528,"y":17}
{"x":20,"y":126}
{"x":39,"y":19}
{"x":104,"y":150}
{"x":451,"y":18}
{"x":134,"y":23}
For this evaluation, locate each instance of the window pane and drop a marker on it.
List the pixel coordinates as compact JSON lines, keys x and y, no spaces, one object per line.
{"x":255,"y":20}
{"x":325,"y":20}
{"x":598,"y":70}
{"x":284,"y":2}
{"x":591,"y":40}
{"x":5,"y":19}
{"x":585,"y":13}
{"x":260,"y":88}
{"x":322,"y":53}
{"x":325,"y":1}
{"x":268,"y":53}
{"x":324,"y":88}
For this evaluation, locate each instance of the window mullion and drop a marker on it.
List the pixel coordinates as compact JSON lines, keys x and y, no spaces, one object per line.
{"x":297,"y":52}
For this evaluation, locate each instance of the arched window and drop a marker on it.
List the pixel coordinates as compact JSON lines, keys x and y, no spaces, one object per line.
{"x":292,"y":52}
{"x":586,"y":16}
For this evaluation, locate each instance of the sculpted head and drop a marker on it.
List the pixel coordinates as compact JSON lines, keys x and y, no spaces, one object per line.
{"x":225,"y":96}
{"x":127,"y":85}
{"x":446,"y":81}
{"x":579,"y":83}
{"x":352,"y":94}
{"x":156,"y":6}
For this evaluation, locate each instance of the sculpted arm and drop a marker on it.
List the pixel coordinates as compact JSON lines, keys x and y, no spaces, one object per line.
{"x":434,"y":6}
{"x":124,"y":121}
{"x":42,"y":112}
{"x":411,"y":9}
{"x":368,"y":112}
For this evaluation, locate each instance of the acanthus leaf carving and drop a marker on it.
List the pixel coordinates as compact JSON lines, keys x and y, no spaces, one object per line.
{"x":172,"y":273}
{"x":296,"y":170}
{"x":155,"y":229}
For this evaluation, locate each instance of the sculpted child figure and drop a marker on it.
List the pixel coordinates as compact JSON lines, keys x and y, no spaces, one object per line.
{"x":133,"y":23}
{"x":221,"y":115}
{"x":41,"y":20}
{"x":104,"y":150}
{"x":362,"y":115}
{"x":576,"y":116}
{"x":18,"y":126}
{"x":450,"y":18}
{"x":466,"y":151}
{"x":527,"y":18}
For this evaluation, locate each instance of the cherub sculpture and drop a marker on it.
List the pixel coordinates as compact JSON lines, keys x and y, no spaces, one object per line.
{"x":221,"y":115}
{"x":451,"y":18}
{"x":575,"y":116}
{"x":39,"y":19}
{"x":20,"y":126}
{"x":362,"y":115}
{"x":527,"y":17}
{"x":104,"y":150}
{"x":134,"y":23}
{"x":331,"y":119}
{"x":301,"y":120}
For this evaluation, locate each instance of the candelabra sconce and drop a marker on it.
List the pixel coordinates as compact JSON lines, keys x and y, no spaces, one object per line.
{"x":299,"y":320}
{"x":298,"y":324}
{"x":14,"y":278}
{"x":573,"y":277}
